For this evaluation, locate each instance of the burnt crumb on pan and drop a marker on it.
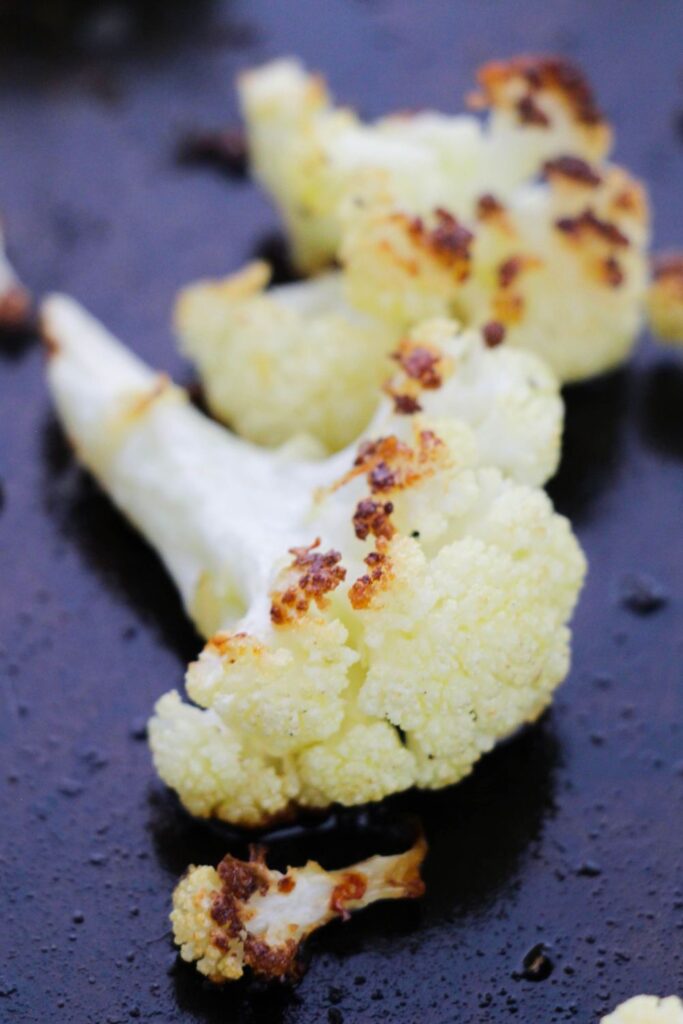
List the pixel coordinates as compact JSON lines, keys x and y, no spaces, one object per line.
{"x":225,"y":150}
{"x":641,"y":594}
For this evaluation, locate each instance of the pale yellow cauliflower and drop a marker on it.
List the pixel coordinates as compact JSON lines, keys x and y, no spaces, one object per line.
{"x":310,"y":154}
{"x":378,"y":619}
{"x":438,"y":215}
{"x":295,"y":363}
{"x":647,"y":1010}
{"x":243,"y":914}
{"x":294,"y":360}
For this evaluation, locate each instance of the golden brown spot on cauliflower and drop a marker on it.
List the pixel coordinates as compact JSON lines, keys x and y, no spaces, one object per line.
{"x":372,"y":517}
{"x":537,"y":74}
{"x":588,"y":223}
{"x":422,"y":366}
{"x":390,"y":464}
{"x":449,"y":242}
{"x":493,"y":333}
{"x":529,"y":112}
{"x":420,"y":362}
{"x":321,"y":574}
{"x":377,"y":578}
{"x":612,"y":271}
{"x":351,"y":887}
{"x":573,"y":168}
{"x":488,"y":206}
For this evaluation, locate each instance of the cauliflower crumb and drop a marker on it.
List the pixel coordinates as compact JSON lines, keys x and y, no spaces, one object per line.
{"x":244,"y":914}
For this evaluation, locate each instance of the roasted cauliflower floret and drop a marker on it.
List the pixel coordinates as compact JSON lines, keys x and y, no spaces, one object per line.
{"x":243,"y":914}
{"x":308,"y":366}
{"x":561,"y":264}
{"x":665,"y":297}
{"x":15,"y":302}
{"x":293,"y":360}
{"x":377,"y":619}
{"x":438,"y":216}
{"x":647,"y":1010}
{"x":310,"y":154}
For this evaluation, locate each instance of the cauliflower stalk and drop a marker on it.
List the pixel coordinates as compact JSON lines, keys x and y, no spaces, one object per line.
{"x":647,"y":1010}
{"x":243,"y":914}
{"x":377,"y":619}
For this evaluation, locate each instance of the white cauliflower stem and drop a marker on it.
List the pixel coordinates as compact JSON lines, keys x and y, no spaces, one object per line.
{"x":647,"y":1010}
{"x":518,"y":220}
{"x":378,"y":619}
{"x":244,"y":914}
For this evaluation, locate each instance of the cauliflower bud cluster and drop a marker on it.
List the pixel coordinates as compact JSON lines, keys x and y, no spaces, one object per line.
{"x":377,"y":619}
{"x":518,"y":220}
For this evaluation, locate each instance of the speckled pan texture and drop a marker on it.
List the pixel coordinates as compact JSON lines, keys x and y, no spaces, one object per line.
{"x":568,"y":836}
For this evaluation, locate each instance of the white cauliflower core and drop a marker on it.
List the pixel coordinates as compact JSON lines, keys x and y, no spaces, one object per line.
{"x":15,"y":302}
{"x":441,"y":215}
{"x":378,"y":619}
{"x":296,"y":361}
{"x":243,"y":914}
{"x":647,"y":1010}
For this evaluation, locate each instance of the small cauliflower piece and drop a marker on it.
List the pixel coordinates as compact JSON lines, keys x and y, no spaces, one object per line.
{"x":665,"y":297}
{"x":647,"y":1010}
{"x":377,"y":619}
{"x":292,"y":360}
{"x":243,"y":914}
{"x":15,"y":301}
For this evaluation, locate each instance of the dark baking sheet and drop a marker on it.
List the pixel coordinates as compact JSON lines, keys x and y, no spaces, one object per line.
{"x":569,"y":835}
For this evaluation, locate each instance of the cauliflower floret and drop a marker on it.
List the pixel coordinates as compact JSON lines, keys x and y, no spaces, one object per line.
{"x":309,"y":154}
{"x":438,"y":216}
{"x":15,"y":302}
{"x":307,"y":365}
{"x":561,"y":265}
{"x":419,"y":616}
{"x":293,"y":360}
{"x":243,"y":914}
{"x":647,"y":1010}
{"x":665,"y":297}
